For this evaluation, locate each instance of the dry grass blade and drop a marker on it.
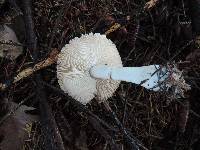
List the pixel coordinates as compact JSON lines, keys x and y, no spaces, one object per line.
{"x":113,"y":28}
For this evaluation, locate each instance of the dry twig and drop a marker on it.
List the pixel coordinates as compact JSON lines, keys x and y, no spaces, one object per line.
{"x":150,"y":4}
{"x":53,"y":140}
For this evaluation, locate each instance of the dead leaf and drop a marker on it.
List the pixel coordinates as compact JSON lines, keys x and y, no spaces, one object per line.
{"x":16,"y":129}
{"x":9,"y":45}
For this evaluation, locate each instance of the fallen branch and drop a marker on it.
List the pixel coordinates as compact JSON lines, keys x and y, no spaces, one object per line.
{"x":45,"y":63}
{"x":94,"y":120}
{"x":29,"y":71}
{"x":52,"y":137}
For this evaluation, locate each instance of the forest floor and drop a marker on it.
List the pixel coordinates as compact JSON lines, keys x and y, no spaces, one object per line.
{"x":159,"y":35}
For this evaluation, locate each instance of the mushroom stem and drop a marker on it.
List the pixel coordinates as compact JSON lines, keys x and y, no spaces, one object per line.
{"x":151,"y":77}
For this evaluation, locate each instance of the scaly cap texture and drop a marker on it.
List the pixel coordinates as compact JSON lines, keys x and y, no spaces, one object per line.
{"x":75,"y":61}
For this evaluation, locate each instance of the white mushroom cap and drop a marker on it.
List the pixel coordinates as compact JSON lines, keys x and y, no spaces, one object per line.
{"x":75,"y":61}
{"x":10,"y":51}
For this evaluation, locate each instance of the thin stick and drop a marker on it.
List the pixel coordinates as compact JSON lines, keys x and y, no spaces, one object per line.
{"x":43,"y":64}
{"x":94,"y":120}
{"x":132,"y":142}
{"x":29,"y":71}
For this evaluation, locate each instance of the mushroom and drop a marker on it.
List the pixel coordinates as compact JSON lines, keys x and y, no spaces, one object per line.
{"x":10,"y":47}
{"x":75,"y":61}
{"x":91,"y":66}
